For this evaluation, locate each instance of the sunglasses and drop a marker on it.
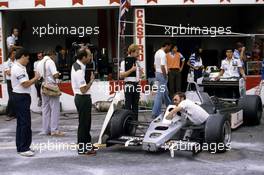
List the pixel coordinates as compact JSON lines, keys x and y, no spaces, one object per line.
{"x":174,"y":99}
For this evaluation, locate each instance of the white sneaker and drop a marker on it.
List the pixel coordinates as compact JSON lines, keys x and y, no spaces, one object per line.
{"x":42,"y":133}
{"x":27,"y":153}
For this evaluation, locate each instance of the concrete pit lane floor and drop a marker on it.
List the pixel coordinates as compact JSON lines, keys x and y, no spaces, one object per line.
{"x":57,"y":155}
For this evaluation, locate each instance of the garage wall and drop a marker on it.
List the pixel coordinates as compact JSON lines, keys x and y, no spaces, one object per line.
{"x":26,"y":20}
{"x":242,"y":19}
{"x":252,"y":19}
{"x":202,"y":16}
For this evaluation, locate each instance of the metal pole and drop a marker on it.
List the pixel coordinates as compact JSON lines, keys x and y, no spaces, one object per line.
{"x":118,"y":42}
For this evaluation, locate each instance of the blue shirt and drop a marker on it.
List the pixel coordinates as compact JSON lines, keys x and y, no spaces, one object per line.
{"x":196,"y":61}
{"x":236,"y":55}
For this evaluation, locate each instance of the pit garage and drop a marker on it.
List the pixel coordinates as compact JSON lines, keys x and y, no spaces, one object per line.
{"x":101,"y":25}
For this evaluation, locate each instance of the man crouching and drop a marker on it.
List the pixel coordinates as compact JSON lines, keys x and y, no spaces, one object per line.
{"x":194,"y":113}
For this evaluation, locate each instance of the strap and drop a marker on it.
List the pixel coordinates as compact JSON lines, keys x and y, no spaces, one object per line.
{"x":44,"y":71}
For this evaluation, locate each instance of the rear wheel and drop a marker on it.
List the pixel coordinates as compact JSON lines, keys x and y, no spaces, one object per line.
{"x":119,"y":125}
{"x":252,"y":109}
{"x":217,"y":133}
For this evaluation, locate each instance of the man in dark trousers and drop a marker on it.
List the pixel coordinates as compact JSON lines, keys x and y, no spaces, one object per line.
{"x":83,"y":101}
{"x":7,"y":71}
{"x":21,"y":95}
{"x":175,"y":63}
{"x":131,"y":71}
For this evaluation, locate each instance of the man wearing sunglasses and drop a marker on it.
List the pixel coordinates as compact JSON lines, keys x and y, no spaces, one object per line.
{"x":194,"y":113}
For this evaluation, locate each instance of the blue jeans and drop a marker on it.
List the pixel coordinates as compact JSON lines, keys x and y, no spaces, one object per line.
{"x":162,"y":94}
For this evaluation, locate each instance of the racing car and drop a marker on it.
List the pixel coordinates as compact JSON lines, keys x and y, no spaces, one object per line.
{"x":225,"y":114}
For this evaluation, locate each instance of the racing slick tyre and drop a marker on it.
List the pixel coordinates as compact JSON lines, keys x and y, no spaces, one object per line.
{"x":119,"y":124}
{"x":217,"y":133}
{"x":252,"y":109}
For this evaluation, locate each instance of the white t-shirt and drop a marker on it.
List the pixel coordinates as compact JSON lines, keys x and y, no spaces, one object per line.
{"x":231,"y":68}
{"x":159,"y":60}
{"x":18,"y":76}
{"x":193,"y":112}
{"x":11,"y":41}
{"x":36,"y":65}
{"x":78,"y":78}
{"x":7,"y":66}
{"x":50,"y":69}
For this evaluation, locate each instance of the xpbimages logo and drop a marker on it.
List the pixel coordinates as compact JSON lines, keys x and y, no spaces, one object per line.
{"x":197,"y":30}
{"x":63,"y":146}
{"x":80,"y":31}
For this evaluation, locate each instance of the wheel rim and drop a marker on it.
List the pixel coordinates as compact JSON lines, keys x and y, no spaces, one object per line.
{"x":227,"y":133}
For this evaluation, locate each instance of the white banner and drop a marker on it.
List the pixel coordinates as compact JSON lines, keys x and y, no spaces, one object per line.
{"x":1,"y":56}
{"x":2,"y":40}
{"x":139,"y":32}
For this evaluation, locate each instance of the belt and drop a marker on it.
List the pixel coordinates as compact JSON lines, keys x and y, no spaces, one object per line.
{"x":15,"y":93}
{"x":174,"y":69}
{"x":86,"y":95}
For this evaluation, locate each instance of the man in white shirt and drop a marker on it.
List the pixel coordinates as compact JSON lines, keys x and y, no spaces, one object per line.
{"x":38,"y":84}
{"x":193,"y":112}
{"x":162,"y":79}
{"x":131,"y":71}
{"x":7,"y":71}
{"x":231,"y":67}
{"x":11,"y":41}
{"x":50,"y":104}
{"x":21,"y":95}
{"x":82,"y":99}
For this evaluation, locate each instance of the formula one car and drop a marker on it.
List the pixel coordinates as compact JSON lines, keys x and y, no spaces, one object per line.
{"x":215,"y":134}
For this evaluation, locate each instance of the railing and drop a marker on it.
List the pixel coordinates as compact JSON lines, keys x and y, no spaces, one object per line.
{"x":254,"y":67}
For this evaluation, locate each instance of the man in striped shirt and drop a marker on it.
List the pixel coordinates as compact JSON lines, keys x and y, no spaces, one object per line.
{"x":196,"y":64}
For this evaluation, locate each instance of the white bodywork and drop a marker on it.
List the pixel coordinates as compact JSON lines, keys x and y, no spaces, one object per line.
{"x":118,"y":97}
{"x":236,"y":119}
{"x":164,"y":120}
